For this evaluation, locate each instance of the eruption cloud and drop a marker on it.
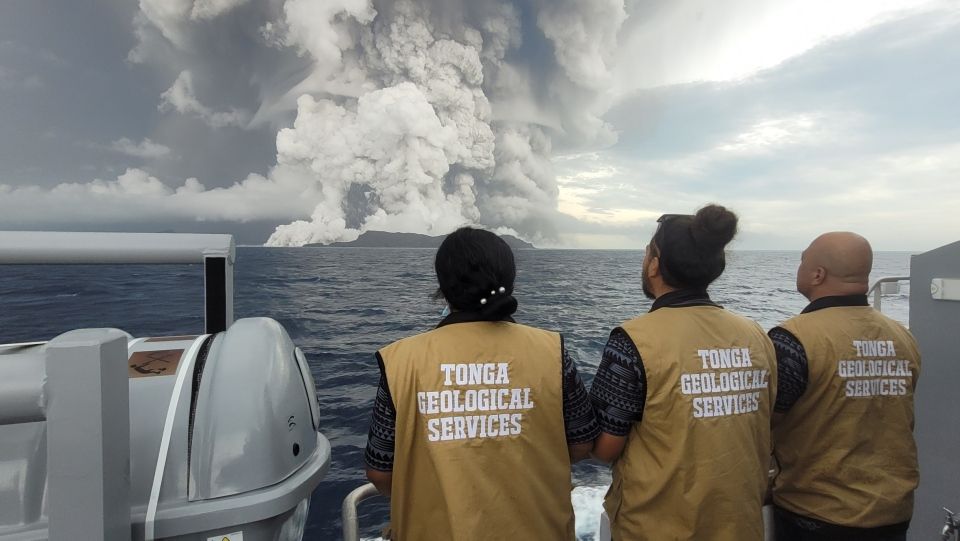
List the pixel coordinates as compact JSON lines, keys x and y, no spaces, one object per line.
{"x":411,"y":115}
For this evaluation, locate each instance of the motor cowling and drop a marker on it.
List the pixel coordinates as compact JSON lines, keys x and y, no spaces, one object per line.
{"x":223,"y":435}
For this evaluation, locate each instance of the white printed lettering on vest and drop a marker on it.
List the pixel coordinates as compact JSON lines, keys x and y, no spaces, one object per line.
{"x":725,"y":358}
{"x":475,"y":374}
{"x":713,"y":382}
{"x":716,"y":406}
{"x":496,"y":400}
{"x":722,"y":376}
{"x":474,"y":426}
{"x":433,"y":402}
{"x":874,"y":348}
{"x":868,"y":376}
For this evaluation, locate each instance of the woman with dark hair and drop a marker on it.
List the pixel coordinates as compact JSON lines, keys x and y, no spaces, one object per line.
{"x":477,"y":422}
{"x":684,"y":396}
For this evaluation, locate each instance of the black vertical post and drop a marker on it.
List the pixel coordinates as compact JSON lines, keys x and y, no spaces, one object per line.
{"x":215,"y":285}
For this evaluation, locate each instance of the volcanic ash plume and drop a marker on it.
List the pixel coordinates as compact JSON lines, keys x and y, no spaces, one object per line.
{"x":381,"y":166}
{"x":420,"y":116}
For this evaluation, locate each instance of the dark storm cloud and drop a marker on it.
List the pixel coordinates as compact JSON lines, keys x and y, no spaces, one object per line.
{"x":68,"y":91}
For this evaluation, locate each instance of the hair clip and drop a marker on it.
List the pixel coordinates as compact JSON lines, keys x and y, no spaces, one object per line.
{"x":493,"y":292}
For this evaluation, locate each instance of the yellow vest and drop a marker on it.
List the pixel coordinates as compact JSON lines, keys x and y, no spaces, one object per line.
{"x":696,"y":466}
{"x":845,"y":450}
{"x":481,"y":451}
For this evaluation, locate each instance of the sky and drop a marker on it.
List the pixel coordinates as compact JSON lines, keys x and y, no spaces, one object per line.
{"x":571,"y":123}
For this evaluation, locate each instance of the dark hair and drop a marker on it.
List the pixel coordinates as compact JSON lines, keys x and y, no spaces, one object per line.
{"x":691,"y":248}
{"x":472,"y":263}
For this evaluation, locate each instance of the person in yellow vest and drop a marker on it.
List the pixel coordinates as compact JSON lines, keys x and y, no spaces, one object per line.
{"x":843,"y":427}
{"x":476,"y":423}
{"x":684,"y":396}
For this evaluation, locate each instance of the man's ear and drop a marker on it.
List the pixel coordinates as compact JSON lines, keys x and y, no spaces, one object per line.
{"x":653,"y":268}
{"x":819,"y":276}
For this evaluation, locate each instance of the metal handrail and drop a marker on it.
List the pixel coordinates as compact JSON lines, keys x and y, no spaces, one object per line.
{"x":877,"y":290}
{"x":71,"y":247}
{"x":348,"y":513}
{"x":217,"y":253}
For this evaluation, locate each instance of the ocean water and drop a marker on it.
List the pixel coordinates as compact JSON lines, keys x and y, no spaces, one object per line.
{"x":341,"y":304}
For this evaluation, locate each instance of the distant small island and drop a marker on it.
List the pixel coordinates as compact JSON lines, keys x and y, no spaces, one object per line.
{"x":383,"y":239}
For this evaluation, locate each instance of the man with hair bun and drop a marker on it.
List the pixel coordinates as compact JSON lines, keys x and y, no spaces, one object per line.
{"x":684,"y":396}
{"x":477,"y":422}
{"x":843,"y":421}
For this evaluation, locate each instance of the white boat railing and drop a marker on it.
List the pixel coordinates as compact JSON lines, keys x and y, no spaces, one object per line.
{"x":217,"y":253}
{"x":348,"y":513}
{"x":888,"y":285}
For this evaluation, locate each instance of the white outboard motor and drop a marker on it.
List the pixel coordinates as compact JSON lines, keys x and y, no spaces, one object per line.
{"x":106,"y":436}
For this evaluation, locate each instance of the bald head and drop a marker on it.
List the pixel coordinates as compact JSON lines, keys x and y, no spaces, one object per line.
{"x":836,"y":263}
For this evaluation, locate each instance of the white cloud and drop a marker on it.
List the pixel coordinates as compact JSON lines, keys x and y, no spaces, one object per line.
{"x":175,"y":19}
{"x":765,"y":137}
{"x":209,"y":9}
{"x":687,"y":41}
{"x":583,"y":179}
{"x":855,"y":134}
{"x":137,"y":196}
{"x":771,"y":134}
{"x":145,"y":149}
{"x":584,"y":35}
{"x":181,"y":98}
{"x":900,"y":200}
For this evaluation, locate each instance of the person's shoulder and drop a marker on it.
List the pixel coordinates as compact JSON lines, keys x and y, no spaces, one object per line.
{"x":739,"y":318}
{"x":517,"y":326}
{"x":889,"y":320}
{"x":804,"y":318}
{"x":636,"y":320}
{"x":894,"y":324}
{"x":546,"y":333}
{"x":409,"y":340}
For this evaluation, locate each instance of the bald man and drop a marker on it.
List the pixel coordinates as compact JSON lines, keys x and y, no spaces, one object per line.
{"x":843,"y":419}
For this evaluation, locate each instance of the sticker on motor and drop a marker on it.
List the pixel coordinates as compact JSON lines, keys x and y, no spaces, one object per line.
{"x":145,"y":364}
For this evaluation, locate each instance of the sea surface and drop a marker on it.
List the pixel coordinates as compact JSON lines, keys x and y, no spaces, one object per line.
{"x":341,"y":304}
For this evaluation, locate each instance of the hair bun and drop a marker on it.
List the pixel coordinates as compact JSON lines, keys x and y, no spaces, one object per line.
{"x":713,"y":227}
{"x":498,"y":307}
{"x":472,"y":265}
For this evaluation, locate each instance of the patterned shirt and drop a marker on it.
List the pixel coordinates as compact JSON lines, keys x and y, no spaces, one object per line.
{"x":578,"y":415}
{"x":791,"y":368}
{"x":619,"y":390}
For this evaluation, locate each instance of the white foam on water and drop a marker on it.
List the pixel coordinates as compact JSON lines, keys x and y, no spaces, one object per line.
{"x":587,"y":506}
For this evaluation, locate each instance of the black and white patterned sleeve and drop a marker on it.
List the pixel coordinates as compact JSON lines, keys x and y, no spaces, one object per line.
{"x":579,"y":420}
{"x":618,"y":392}
{"x":791,"y":368}
{"x":383,"y":427}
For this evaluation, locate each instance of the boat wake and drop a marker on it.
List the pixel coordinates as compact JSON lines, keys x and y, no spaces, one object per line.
{"x":587,"y":506}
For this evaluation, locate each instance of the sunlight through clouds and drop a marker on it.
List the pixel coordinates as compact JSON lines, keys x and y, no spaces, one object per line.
{"x":726,"y":41}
